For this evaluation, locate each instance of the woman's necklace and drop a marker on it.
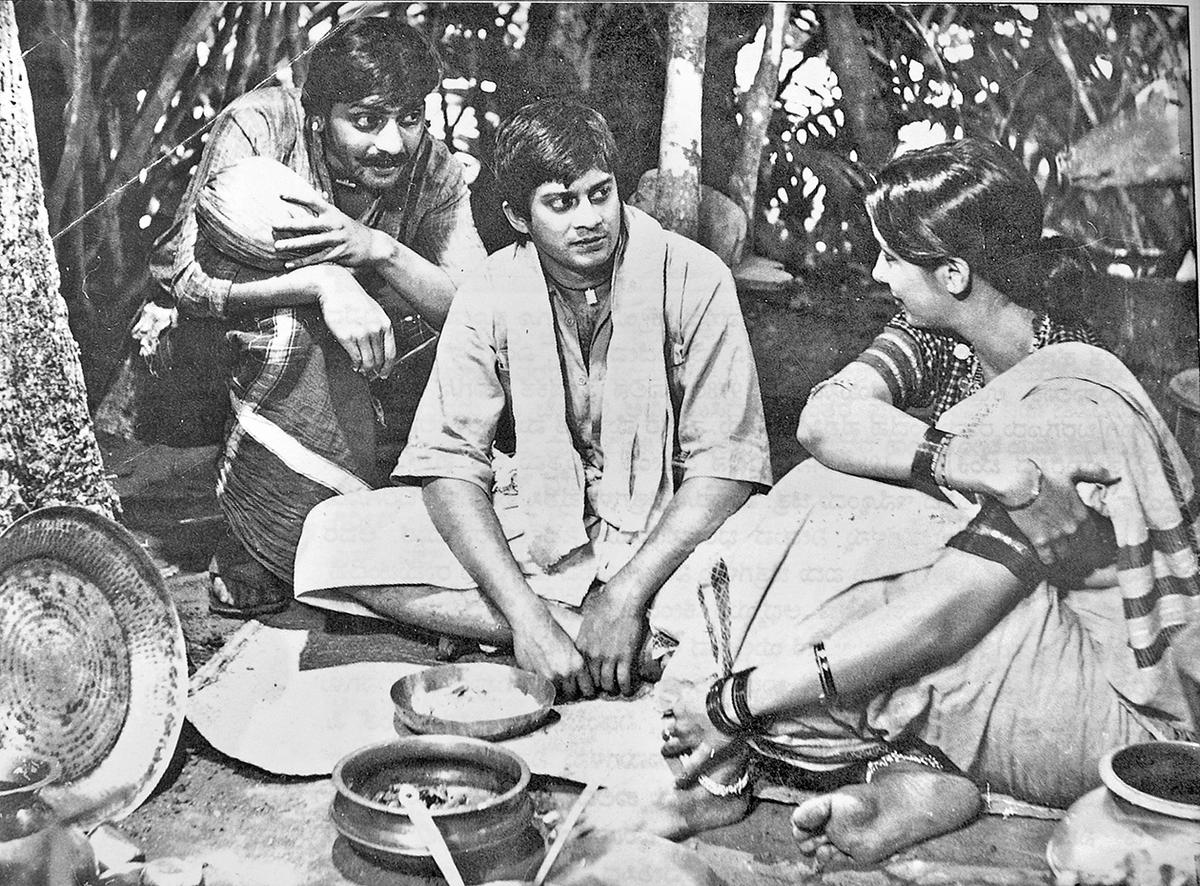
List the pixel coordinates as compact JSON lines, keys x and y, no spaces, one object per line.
{"x":974,"y":380}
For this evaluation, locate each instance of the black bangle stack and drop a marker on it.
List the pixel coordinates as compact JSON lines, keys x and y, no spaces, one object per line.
{"x":742,"y":720}
{"x":928,"y":469}
{"x":716,"y":711}
{"x":741,"y":706}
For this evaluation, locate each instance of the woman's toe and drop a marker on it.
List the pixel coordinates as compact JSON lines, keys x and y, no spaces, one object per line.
{"x":811,"y":816}
{"x":809,"y":844}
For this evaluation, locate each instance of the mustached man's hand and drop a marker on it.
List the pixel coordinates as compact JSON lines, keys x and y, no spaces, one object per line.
{"x":355,"y":319}
{"x":327,"y":235}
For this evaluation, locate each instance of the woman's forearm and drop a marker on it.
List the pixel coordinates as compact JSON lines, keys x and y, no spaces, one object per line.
{"x":850,"y":425}
{"x":962,"y":598}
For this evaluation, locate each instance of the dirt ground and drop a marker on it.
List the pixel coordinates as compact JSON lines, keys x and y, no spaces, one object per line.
{"x":251,"y":827}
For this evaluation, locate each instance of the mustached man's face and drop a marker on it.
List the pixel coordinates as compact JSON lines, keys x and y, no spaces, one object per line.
{"x":575,"y":226}
{"x":369,"y":141}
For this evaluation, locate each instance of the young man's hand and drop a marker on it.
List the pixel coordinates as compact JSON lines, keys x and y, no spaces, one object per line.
{"x":355,"y":319}
{"x":543,"y":647}
{"x":329,"y":235}
{"x":611,"y":636}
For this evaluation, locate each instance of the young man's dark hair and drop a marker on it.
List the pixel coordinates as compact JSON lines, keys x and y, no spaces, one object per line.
{"x":551,"y":140}
{"x":370,"y":56}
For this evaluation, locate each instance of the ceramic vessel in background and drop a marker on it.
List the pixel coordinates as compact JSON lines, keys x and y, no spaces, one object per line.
{"x":1141,"y":823}
{"x":35,"y":848}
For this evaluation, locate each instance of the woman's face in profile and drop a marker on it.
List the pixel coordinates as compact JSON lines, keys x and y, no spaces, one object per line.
{"x":925,"y":302}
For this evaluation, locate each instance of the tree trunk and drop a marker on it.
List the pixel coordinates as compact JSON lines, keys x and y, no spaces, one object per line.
{"x":48,"y":453}
{"x":572,"y":38}
{"x":757,"y":106}
{"x":677,"y":205}
{"x":730,"y":27}
{"x":866,"y":114}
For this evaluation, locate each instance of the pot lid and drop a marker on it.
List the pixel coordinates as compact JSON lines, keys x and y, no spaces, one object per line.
{"x":93,"y":668}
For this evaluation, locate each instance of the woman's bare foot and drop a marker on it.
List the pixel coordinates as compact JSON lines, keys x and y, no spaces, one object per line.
{"x":904,"y":804}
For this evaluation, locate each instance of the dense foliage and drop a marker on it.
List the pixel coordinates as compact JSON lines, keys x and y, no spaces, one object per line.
{"x":142,"y":82}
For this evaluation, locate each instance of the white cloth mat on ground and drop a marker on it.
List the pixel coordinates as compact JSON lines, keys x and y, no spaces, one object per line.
{"x":252,"y":702}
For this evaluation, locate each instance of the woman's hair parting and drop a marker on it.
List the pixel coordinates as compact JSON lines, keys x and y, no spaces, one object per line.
{"x":551,"y":140}
{"x":972,"y":199}
{"x":370,"y":56}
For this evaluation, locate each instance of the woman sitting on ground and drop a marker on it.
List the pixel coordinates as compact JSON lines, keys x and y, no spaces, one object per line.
{"x":1025,"y":600}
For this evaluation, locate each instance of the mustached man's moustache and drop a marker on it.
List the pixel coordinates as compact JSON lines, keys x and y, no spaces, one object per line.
{"x":385,"y":162}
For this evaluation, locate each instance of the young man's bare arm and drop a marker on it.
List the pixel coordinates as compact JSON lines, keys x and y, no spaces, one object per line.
{"x":464,"y":517}
{"x":614,"y":619}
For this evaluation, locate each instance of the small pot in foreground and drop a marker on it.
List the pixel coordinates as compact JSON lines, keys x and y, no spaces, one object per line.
{"x":484,"y":836}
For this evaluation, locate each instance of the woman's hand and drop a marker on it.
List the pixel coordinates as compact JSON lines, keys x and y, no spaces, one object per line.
{"x":1036,"y":488}
{"x":1051,"y":514}
{"x":688,"y":734}
{"x":330,"y":236}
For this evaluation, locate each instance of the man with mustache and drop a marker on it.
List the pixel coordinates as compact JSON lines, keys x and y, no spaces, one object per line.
{"x":620,"y":352}
{"x":323,"y":299}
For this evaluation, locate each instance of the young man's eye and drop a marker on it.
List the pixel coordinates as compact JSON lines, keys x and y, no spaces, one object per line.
{"x":602,"y":193}
{"x":561,"y":203}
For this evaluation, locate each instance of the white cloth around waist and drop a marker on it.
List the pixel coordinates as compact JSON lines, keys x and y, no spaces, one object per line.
{"x":386,"y":537}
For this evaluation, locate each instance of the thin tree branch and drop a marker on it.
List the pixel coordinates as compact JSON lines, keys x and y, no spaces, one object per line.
{"x":79,"y":115}
{"x":1058,"y":46}
{"x":249,"y":22}
{"x":136,"y":148}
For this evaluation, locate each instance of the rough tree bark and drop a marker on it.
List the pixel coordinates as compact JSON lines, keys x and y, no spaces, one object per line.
{"x":756,"y":112}
{"x":48,"y":453}
{"x":868,"y":121}
{"x":677,"y":205}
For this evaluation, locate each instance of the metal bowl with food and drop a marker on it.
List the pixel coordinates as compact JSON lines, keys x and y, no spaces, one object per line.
{"x":479,"y":700}
{"x":476,"y":792}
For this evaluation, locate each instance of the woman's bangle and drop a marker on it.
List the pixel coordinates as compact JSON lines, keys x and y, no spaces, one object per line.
{"x":738,"y":700}
{"x":824,"y":674}
{"x":930,"y":451}
{"x":716,"y":710}
{"x":1033,"y":493}
{"x":939,"y":464}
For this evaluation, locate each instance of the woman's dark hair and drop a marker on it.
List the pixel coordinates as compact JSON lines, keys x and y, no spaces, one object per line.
{"x":370,"y":56}
{"x":972,"y":199}
{"x":551,"y":140}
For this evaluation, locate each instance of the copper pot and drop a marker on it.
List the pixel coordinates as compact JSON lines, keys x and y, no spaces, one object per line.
{"x":485,"y":837}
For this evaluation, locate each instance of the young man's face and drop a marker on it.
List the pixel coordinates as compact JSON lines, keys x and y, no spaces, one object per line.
{"x":368,"y":141}
{"x":574,"y":227}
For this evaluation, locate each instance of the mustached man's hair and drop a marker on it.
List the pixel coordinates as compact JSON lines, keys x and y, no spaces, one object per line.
{"x":366,"y":57}
{"x":973,"y":199}
{"x":551,"y":140}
